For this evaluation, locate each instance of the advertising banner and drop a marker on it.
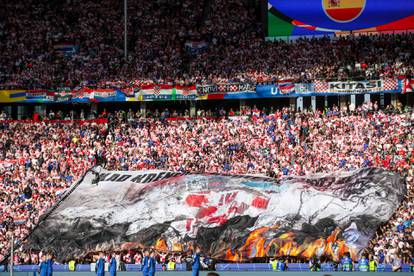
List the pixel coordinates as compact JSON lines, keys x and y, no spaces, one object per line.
{"x":234,"y":218}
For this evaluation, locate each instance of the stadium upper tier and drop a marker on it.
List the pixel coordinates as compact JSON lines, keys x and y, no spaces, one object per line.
{"x":71,"y":43}
{"x":39,"y":160}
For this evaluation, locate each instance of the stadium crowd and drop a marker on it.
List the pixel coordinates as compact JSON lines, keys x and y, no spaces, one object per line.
{"x":41,"y":159}
{"x":83,"y":46}
{"x":44,"y":48}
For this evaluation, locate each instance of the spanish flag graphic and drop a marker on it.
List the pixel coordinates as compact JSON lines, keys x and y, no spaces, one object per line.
{"x":343,"y":11}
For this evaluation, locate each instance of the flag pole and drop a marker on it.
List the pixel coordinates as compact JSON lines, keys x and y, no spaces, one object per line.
{"x":11,"y":254}
{"x":125,"y":30}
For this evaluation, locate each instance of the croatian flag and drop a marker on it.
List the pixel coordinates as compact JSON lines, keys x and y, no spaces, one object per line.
{"x":286,"y":87}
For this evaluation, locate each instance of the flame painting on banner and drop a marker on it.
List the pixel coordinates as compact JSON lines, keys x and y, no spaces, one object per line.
{"x":233,"y":218}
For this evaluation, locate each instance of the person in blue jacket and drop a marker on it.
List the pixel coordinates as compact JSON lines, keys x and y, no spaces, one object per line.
{"x":196,"y":262}
{"x":100,"y":265}
{"x":49,"y":264}
{"x":363,"y":264}
{"x":145,"y":264}
{"x":347,"y":263}
{"x":151,"y":264}
{"x":281,"y":265}
{"x":43,"y":266}
{"x":112,"y":265}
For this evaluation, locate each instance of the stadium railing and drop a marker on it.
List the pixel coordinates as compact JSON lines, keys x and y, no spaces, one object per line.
{"x":297,"y":267}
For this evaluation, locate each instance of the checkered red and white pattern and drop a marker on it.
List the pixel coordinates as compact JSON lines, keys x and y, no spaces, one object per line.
{"x":222,"y":88}
{"x":321,"y":86}
{"x":234,"y":88}
{"x":390,"y":84}
{"x":157,"y":90}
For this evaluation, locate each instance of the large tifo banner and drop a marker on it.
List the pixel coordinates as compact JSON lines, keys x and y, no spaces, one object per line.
{"x":232,"y":218}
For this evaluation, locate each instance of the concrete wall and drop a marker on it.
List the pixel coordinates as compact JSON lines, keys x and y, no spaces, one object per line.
{"x":204,"y":273}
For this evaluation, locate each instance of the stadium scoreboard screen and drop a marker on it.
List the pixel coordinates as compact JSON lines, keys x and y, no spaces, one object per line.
{"x":326,"y":17}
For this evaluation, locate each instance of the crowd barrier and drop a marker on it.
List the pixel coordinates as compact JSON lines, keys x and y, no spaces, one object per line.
{"x":298,"y":267}
{"x":221,"y":273}
{"x":137,"y":267}
{"x":238,"y":267}
{"x":83,"y":268}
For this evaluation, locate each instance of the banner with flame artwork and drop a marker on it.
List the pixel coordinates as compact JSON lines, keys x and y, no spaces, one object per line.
{"x":233,"y":218}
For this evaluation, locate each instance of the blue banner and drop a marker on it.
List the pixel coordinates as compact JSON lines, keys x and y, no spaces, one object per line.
{"x":320,"y":89}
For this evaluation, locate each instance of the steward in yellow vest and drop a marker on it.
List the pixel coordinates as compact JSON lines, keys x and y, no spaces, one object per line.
{"x":171,"y":265}
{"x":274,"y":264}
{"x":372,"y":265}
{"x":72,"y":265}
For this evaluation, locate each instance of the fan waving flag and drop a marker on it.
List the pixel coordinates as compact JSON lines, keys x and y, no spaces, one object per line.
{"x":408,"y":86}
{"x":286,"y":87}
